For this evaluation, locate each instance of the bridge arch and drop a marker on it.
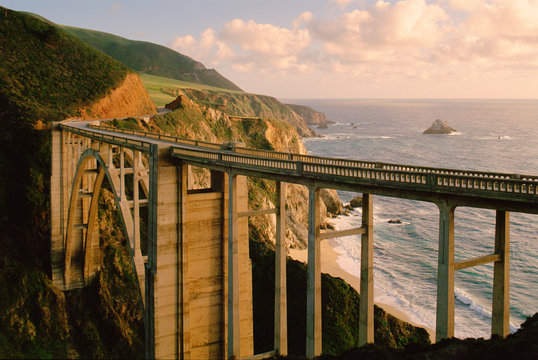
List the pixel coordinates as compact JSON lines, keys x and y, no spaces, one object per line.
{"x":82,"y":248}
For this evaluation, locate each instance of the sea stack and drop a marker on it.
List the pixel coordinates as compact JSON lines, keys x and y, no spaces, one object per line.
{"x":439,"y":127}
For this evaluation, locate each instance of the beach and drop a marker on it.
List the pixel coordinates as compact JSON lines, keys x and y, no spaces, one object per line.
{"x":330,"y":266}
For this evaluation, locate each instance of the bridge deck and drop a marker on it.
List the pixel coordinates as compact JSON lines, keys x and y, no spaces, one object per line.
{"x":509,"y":192}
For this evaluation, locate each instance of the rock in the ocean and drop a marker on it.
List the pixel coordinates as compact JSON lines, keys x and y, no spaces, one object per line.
{"x":356,"y":201}
{"x":439,"y":127}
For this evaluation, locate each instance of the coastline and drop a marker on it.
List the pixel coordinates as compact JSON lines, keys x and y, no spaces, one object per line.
{"x":330,"y":266}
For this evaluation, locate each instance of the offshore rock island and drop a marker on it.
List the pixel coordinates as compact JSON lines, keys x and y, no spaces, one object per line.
{"x":440,"y":127}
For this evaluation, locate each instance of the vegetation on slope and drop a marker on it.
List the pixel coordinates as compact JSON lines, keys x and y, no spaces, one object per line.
{"x":152,"y":58}
{"x":339,"y":304}
{"x":244,"y":105}
{"x":521,"y":345}
{"x":45,"y":75}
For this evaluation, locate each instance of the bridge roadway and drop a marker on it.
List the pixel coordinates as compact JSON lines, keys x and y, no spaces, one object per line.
{"x":447,"y":188}
{"x":490,"y":190}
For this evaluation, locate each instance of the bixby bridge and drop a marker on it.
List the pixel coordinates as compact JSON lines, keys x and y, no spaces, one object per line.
{"x":193,"y":266}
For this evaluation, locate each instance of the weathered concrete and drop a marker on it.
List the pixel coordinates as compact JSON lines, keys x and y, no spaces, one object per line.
{"x":366,"y":306}
{"x":313,"y":269}
{"x":445,"y":274}
{"x":281,"y":307}
{"x":500,"y":319}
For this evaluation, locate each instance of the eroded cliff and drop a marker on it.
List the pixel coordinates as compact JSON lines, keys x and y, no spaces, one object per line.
{"x":128,"y":99}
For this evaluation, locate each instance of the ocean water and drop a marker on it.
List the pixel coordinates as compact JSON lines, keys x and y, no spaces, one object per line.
{"x":493,"y":135}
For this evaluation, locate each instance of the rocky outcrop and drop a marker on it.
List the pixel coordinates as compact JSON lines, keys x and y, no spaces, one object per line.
{"x":356,"y":201}
{"x":311,"y":116}
{"x":247,"y":105}
{"x":128,"y":99}
{"x":439,"y":127}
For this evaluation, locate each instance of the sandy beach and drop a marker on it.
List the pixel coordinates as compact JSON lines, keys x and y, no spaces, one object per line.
{"x":331,"y":267}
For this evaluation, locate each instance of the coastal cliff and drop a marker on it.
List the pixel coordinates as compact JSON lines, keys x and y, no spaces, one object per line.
{"x":130,"y":98}
{"x":311,"y":116}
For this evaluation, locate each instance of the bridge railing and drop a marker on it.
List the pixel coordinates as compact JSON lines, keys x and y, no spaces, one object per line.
{"x":416,"y":179}
{"x":426,"y":178}
{"x":113,"y":139}
{"x":164,"y":137}
{"x":380,"y":165}
{"x":323,"y":160}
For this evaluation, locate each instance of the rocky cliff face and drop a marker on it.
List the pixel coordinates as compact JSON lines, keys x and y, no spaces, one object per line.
{"x":128,"y":99}
{"x":311,"y":116}
{"x":242,"y":104}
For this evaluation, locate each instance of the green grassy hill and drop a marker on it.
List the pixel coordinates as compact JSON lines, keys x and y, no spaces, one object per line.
{"x":151,"y":58}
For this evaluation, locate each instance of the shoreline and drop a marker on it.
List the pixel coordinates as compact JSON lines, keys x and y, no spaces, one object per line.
{"x":330,"y":266}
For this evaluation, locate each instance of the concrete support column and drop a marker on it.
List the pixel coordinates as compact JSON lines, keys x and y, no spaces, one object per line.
{"x":366,"y":307}
{"x":500,"y":319}
{"x":110,"y":161}
{"x":184,"y":321}
{"x":122,"y":175}
{"x":445,"y":274}
{"x":281,"y":309}
{"x":57,"y":206}
{"x":136,"y":204}
{"x":234,"y":346}
{"x":313,"y":268}
{"x":163,"y":287}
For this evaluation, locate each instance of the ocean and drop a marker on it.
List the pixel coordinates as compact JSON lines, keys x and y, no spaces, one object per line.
{"x":492,"y":135}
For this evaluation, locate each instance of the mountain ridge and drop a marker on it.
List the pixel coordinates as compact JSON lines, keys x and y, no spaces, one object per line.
{"x":150,"y":58}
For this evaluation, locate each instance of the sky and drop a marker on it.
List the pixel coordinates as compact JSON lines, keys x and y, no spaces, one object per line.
{"x":334,"y":48}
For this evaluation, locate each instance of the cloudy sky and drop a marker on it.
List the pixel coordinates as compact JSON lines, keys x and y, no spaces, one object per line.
{"x":334,"y":48}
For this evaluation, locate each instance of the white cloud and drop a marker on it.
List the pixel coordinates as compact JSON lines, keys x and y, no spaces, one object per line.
{"x":384,"y":41}
{"x":265,"y":39}
{"x":208,"y":49}
{"x":342,"y":4}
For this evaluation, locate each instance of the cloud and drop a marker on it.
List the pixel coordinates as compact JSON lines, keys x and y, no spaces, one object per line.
{"x":207,"y":49}
{"x":418,"y":39}
{"x":342,"y":4}
{"x":266,"y":44}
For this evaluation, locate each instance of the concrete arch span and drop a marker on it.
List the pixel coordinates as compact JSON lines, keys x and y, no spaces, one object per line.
{"x":82,"y":248}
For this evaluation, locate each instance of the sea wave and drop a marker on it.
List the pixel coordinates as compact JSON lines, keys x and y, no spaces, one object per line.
{"x":475,"y":305}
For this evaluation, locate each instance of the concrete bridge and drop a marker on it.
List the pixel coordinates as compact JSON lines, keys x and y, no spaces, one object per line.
{"x":194,"y":270}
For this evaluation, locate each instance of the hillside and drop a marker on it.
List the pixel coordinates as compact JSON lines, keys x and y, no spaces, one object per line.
{"x":47,"y":75}
{"x":151,"y":58}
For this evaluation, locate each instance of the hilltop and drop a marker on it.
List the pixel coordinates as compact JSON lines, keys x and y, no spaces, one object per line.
{"x":151,"y":58}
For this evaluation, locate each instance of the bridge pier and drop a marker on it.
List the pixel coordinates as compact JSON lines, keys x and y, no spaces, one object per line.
{"x":281,"y":307}
{"x":313,"y":268}
{"x":366,"y":306}
{"x":500,"y":319}
{"x":445,"y":273}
